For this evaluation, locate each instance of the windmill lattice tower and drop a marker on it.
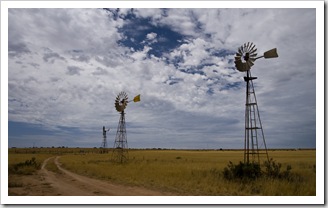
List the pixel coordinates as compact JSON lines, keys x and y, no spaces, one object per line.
{"x":254,"y":135}
{"x":120,"y":150}
{"x":104,"y":141}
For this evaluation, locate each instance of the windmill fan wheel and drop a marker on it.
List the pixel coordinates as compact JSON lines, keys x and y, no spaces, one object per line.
{"x":245,"y":57}
{"x":121,"y":101}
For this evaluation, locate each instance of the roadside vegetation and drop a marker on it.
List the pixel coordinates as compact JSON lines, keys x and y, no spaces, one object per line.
{"x":24,"y":164}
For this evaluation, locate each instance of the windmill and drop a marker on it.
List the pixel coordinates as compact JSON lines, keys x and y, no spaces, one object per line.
{"x":244,"y":60}
{"x":120,"y":150}
{"x":104,"y":141}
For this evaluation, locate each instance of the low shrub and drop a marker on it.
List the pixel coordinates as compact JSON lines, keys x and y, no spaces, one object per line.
{"x":253,"y":170}
{"x":25,"y":168}
{"x":242,"y":171}
{"x":273,"y":170}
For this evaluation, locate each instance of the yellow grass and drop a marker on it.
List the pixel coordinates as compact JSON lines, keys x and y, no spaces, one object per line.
{"x":187,"y":172}
{"x":196,"y":172}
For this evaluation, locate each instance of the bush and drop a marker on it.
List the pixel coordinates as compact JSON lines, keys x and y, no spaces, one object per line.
{"x":25,"y":168}
{"x":253,"y":171}
{"x":242,"y":171}
{"x":273,"y":170}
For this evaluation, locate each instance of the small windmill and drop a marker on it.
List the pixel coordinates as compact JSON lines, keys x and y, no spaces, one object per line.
{"x":120,"y":150}
{"x":244,"y":60}
{"x":104,"y":141}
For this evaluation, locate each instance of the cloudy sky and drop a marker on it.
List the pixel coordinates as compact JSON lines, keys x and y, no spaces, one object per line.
{"x":66,"y":66}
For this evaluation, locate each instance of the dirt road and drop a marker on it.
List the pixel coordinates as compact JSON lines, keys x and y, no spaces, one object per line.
{"x":66,"y":183}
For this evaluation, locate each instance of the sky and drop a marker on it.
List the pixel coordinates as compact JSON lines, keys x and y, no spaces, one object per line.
{"x":66,"y":67}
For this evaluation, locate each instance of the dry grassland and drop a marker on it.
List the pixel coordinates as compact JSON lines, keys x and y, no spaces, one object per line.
{"x":187,"y":172}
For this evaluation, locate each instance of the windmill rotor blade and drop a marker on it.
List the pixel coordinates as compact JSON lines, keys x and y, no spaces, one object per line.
{"x":253,"y":55}
{"x":240,"y":66}
{"x":238,"y":62}
{"x":252,"y":47}
{"x":239,"y":50}
{"x":253,"y":51}
{"x":238,"y":54}
{"x":250,"y":63}
{"x":247,"y":47}
{"x":251,"y":44}
{"x":251,"y":59}
{"x":247,"y":66}
{"x":242,"y":49}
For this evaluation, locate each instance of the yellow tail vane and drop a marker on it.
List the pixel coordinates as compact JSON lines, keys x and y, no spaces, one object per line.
{"x":136,"y":98}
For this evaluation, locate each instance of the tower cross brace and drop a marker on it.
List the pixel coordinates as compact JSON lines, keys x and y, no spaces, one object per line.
{"x":253,"y":125}
{"x":120,"y":150}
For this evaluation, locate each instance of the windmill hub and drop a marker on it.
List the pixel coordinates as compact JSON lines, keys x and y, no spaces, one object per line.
{"x":246,"y":57}
{"x":121,"y":101}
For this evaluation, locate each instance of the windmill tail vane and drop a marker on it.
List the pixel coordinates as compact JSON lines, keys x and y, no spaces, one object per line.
{"x":271,"y":53}
{"x":136,"y":99}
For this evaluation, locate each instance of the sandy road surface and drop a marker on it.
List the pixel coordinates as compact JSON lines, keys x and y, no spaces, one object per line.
{"x":67,"y":183}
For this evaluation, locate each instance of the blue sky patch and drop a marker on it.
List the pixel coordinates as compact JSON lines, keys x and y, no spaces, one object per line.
{"x":23,"y":129}
{"x":135,"y":31}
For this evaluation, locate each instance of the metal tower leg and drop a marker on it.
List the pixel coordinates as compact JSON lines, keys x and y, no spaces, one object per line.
{"x":253,"y":126}
{"x":104,"y":144}
{"x":120,"y":150}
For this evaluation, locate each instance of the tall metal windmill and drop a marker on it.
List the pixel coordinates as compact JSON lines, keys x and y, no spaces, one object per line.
{"x":120,"y":150}
{"x":244,"y":60}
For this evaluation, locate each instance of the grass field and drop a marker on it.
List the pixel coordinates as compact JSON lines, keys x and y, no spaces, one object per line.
{"x":185,"y":172}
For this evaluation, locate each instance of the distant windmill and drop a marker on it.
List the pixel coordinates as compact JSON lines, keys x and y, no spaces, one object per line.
{"x":104,"y":141}
{"x":120,"y":150}
{"x":244,"y":60}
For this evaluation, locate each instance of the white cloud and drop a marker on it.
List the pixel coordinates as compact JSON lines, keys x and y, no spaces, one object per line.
{"x":66,"y":68}
{"x":151,"y":36}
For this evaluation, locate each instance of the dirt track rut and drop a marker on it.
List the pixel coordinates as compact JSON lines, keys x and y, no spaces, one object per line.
{"x":67,"y":183}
